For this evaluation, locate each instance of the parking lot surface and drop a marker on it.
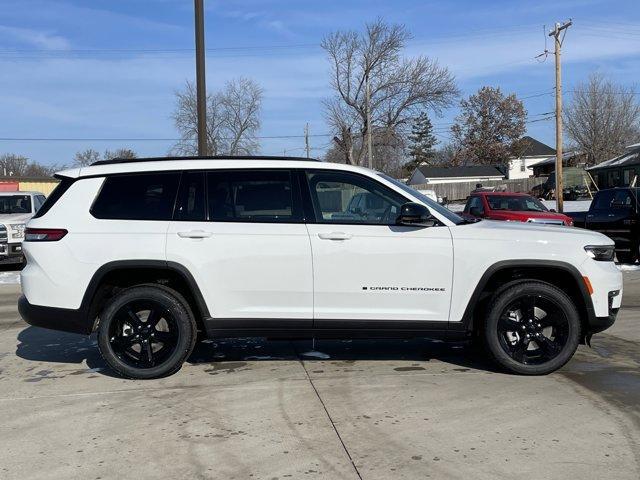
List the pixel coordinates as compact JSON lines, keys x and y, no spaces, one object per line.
{"x":257,"y":409}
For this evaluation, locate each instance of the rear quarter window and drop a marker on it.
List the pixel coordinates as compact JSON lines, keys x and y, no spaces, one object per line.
{"x":144,"y":196}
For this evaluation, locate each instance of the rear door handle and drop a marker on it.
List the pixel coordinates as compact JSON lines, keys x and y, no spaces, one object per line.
{"x":335,"y":236}
{"x":195,"y":234}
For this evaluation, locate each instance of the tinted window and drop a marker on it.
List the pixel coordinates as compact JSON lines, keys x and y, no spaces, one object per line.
{"x":340,"y":197}
{"x":15,"y":204}
{"x":252,"y":196}
{"x":474,"y":202}
{"x":137,"y":197}
{"x":191,"y":197}
{"x":516,"y":203}
{"x":54,"y":196}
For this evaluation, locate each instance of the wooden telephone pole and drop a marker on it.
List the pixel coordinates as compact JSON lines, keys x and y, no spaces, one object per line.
{"x":306,"y":139}
{"x":369,"y":141}
{"x":201,"y":94}
{"x":558,"y":47}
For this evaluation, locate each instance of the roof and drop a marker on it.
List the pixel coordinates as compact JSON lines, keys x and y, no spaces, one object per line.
{"x":501,"y":194}
{"x":206,"y":157}
{"x":552,"y":160}
{"x":535,"y":148}
{"x":629,"y":158}
{"x":472,"y":171}
{"x":166,"y":164}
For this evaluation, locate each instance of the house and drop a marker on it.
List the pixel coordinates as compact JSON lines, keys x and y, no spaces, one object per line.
{"x":619,"y":171}
{"x":534,"y":152}
{"x":472,"y":174}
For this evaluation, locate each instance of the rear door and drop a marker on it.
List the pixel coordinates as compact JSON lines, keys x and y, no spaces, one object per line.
{"x":242,"y":236}
{"x":368,"y":271}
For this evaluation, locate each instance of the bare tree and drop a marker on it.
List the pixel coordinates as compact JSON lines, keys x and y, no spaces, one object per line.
{"x":399,"y":87}
{"x":489,"y":128}
{"x":119,"y":153}
{"x":13,"y":165}
{"x":233,"y":119}
{"x":20,"y":166}
{"x":602,"y":118}
{"x":86,"y":157}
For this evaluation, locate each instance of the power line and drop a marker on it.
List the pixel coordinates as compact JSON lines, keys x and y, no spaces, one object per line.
{"x":140,"y":139}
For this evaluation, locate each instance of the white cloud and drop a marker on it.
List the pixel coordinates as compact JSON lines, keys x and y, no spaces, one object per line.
{"x":35,"y":38}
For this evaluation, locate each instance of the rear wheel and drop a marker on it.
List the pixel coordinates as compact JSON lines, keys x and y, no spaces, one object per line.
{"x":146,"y":331}
{"x":532,"y":328}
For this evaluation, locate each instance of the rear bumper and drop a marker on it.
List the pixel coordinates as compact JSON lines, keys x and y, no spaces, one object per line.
{"x":63,"y":319}
{"x":11,"y":252}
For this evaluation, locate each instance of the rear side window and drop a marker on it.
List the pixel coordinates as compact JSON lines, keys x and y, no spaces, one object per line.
{"x":54,"y":196}
{"x":137,"y":197}
{"x":252,"y":196}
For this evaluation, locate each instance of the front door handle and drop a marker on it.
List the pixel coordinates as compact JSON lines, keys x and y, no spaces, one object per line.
{"x":195,"y":234}
{"x":335,"y":236}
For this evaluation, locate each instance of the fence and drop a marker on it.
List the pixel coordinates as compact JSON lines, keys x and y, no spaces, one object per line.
{"x":460,"y":190}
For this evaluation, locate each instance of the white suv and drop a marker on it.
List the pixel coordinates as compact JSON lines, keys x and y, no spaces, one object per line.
{"x":150,"y":252}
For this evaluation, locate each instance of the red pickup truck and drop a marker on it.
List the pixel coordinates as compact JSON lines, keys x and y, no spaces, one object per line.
{"x":518,"y":207}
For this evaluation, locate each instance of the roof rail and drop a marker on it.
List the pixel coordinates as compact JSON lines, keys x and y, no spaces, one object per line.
{"x":207,"y":157}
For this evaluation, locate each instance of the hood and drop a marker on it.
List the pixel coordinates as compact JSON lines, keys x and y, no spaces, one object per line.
{"x":11,"y":218}
{"x":529,"y":233}
{"x":525,"y":215}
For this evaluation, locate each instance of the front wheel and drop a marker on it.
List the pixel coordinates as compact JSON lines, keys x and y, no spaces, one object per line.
{"x":532,"y":328}
{"x":146,"y":331}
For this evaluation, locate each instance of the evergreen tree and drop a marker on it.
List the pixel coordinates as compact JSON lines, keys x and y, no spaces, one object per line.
{"x":422,"y":141}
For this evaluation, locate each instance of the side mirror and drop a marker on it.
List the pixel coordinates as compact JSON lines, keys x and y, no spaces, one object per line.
{"x":475,"y":211}
{"x":552,"y":210}
{"x":415,"y":215}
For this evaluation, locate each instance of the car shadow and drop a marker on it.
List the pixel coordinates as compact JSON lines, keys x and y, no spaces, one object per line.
{"x":43,"y":345}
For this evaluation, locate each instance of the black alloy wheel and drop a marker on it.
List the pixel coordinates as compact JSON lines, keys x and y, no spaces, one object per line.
{"x":532,"y":327}
{"x":146,"y":331}
{"x":533,"y":330}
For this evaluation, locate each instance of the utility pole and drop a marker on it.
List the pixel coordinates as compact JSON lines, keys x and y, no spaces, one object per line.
{"x":201,"y":93}
{"x":368,"y":105}
{"x":306,"y":138}
{"x":558,"y":47}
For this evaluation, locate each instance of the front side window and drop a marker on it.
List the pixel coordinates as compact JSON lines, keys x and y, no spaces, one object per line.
{"x":252,"y":196}
{"x":141,"y":196}
{"x":341,"y":197}
{"x":476,"y":204}
{"x":15,"y":204}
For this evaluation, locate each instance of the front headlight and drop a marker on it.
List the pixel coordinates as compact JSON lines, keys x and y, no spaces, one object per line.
{"x":17,"y":230}
{"x":601,"y":253}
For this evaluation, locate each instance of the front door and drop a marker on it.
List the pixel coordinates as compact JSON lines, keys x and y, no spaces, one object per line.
{"x":246,"y":244}
{"x":368,"y":271}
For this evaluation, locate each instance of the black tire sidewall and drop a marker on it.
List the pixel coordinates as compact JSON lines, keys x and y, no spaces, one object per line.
{"x":181,"y":313}
{"x":549,"y":292}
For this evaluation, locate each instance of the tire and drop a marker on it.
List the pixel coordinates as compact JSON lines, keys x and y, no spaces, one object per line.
{"x":146,"y":331}
{"x":535,"y":347}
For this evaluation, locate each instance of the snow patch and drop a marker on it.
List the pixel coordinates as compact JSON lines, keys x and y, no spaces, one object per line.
{"x":262,"y":357}
{"x":9,"y":278}
{"x":316,"y":354}
{"x":629,"y":268}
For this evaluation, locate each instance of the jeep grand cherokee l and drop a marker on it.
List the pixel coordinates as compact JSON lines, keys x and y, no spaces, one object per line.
{"x":155,"y":253}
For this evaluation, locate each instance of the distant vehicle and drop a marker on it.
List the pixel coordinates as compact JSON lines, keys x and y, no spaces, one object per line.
{"x":518,"y":207}
{"x":615,"y":213}
{"x":575,"y":181}
{"x":16,"y":209}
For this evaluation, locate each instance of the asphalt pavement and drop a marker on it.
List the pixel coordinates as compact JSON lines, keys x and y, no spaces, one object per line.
{"x":256,"y":409}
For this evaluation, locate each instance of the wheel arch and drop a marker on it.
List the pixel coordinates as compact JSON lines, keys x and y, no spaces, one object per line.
{"x":119,"y":274}
{"x":560,"y":274}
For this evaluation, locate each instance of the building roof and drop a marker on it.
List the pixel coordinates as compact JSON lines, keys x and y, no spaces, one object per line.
{"x":456,"y":172}
{"x":534,"y":148}
{"x":552,"y":160}
{"x":629,"y":158}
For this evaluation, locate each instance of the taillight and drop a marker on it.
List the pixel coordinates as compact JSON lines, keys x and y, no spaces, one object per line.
{"x":44,"y":234}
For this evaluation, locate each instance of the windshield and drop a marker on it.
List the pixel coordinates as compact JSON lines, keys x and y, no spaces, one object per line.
{"x":515,"y":203}
{"x":15,"y":204}
{"x":445,"y":212}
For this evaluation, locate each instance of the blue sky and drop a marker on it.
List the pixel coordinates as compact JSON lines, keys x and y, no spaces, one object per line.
{"x":109,"y":68}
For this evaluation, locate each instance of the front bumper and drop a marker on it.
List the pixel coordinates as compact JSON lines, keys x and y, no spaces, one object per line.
{"x":63,"y":319}
{"x":11,"y":252}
